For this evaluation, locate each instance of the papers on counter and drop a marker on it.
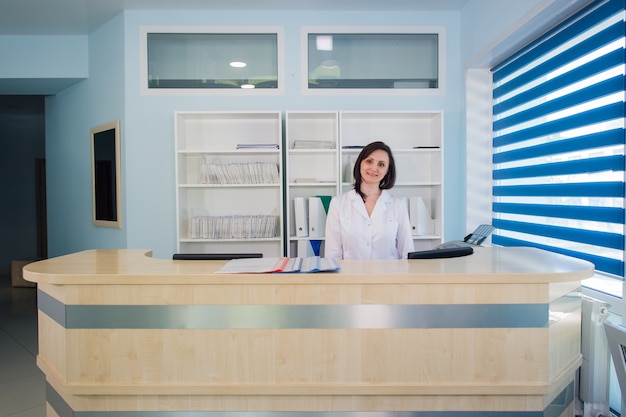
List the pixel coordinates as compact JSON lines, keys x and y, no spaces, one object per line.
{"x":279,"y":265}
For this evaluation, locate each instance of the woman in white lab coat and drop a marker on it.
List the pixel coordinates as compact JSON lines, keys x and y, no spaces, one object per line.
{"x":368,"y":222}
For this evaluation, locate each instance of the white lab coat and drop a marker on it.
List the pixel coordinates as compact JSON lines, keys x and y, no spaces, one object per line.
{"x":352,"y":234}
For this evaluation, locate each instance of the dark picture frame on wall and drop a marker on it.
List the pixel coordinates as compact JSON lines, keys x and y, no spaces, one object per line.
{"x":106,"y":175}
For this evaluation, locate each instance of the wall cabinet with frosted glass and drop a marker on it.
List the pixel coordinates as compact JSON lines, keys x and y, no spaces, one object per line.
{"x":229,"y":195}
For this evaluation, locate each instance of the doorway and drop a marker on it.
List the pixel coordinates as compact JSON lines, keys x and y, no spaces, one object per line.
{"x":22,"y":179}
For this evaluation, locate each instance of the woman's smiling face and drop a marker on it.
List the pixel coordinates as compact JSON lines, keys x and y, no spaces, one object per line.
{"x":374,"y":167}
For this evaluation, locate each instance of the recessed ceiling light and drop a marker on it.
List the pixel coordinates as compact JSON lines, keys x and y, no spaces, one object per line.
{"x":324,"y":42}
{"x":238,"y":64}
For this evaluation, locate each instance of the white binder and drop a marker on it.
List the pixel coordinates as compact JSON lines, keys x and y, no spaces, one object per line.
{"x":348,"y":170}
{"x":317,"y":217}
{"x":301,"y":216}
{"x":419,"y":216}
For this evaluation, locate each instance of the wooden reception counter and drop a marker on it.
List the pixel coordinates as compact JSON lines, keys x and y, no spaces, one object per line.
{"x":127,"y":334}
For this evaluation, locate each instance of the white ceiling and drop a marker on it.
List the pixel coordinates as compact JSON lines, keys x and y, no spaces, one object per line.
{"x":81,"y":17}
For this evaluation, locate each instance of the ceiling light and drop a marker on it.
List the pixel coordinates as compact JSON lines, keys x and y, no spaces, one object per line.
{"x":247,"y":85}
{"x":324,"y":42}
{"x":238,"y":64}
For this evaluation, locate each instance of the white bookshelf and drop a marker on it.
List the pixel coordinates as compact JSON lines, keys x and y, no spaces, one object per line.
{"x":311,"y":164}
{"x":416,"y":140}
{"x":239,"y":207}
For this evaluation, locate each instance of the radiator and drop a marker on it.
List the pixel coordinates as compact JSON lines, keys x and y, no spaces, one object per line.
{"x":593,"y":386}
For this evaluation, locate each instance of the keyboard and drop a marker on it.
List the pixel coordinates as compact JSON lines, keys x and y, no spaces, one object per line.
{"x":442,"y":253}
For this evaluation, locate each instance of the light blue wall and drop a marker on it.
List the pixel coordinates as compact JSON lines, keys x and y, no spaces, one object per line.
{"x":43,"y":56}
{"x":113,"y":92}
{"x":149,"y":133}
{"x":40,"y":65}
{"x":486,"y":25}
{"x":69,"y":117}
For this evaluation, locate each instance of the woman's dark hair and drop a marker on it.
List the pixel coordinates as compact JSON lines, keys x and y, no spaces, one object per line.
{"x":388,"y":181}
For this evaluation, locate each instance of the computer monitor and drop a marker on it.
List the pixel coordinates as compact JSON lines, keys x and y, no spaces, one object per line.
{"x":616,"y":336}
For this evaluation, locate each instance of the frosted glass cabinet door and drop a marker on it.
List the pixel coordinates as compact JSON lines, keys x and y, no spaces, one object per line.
{"x":212,"y":60}
{"x":373,"y":60}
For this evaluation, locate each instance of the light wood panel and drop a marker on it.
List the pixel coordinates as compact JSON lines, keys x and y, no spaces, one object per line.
{"x":419,"y":359}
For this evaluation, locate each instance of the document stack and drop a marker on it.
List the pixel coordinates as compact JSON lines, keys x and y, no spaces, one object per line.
{"x":312,"y":144}
{"x":279,"y":265}
{"x":257,"y":146}
{"x":233,"y":227}
{"x":239,"y":173}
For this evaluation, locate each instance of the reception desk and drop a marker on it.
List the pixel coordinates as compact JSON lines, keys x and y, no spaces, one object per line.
{"x":496,"y":332}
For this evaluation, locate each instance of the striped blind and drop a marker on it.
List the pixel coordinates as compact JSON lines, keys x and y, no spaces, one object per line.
{"x":558,"y":144}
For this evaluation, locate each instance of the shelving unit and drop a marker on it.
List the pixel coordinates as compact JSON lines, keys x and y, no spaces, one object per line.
{"x":242,"y":211}
{"x":415,"y":139}
{"x":318,"y":154}
{"x":416,"y":142}
{"x":311,"y":149}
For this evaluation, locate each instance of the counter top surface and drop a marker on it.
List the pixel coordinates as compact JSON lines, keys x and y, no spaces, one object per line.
{"x":135,"y":266}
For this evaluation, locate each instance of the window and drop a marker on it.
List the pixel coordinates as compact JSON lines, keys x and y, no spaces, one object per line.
{"x":407,"y":61}
{"x":559,"y":141}
{"x":212,"y":60}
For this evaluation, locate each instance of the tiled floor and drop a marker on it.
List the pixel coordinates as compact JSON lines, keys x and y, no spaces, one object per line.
{"x":22,"y":384}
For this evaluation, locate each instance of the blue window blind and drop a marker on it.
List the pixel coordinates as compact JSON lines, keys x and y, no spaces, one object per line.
{"x":558,"y":144}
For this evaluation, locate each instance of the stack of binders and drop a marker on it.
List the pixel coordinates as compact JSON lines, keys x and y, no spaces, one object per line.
{"x":310,"y":221}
